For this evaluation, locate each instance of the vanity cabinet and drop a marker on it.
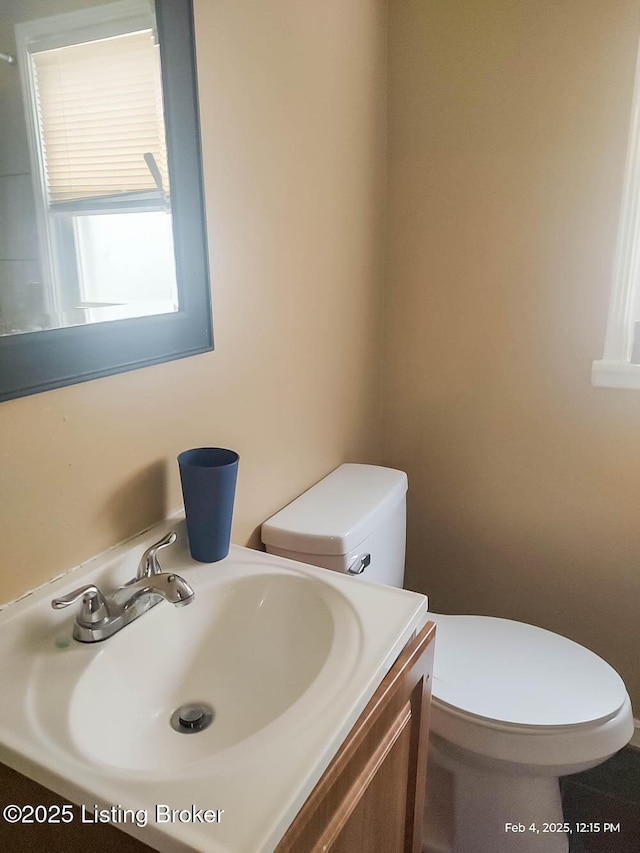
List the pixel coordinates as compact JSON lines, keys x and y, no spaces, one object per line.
{"x":370,"y":799}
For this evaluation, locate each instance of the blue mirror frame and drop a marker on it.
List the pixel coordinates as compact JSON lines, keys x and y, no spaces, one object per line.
{"x":38,"y":361}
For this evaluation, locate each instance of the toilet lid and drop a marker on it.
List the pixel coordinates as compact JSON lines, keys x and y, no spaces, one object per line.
{"x":511,"y":673}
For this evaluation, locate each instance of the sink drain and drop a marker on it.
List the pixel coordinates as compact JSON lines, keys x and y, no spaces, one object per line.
{"x":192,"y":717}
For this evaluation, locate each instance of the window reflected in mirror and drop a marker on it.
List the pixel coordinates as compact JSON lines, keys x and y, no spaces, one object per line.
{"x":87,"y":232}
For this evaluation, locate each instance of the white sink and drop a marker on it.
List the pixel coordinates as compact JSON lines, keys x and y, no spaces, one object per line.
{"x":285,"y":654}
{"x":249,"y":648}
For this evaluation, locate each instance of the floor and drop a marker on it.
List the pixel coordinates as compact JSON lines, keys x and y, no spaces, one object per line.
{"x":606,"y":800}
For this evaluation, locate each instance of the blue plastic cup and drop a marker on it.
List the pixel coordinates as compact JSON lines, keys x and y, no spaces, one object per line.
{"x":208,"y":476}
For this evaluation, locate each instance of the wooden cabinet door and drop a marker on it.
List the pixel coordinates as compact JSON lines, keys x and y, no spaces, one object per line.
{"x":371,"y":797}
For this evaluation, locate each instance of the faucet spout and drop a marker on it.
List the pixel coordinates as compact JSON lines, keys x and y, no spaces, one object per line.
{"x":148,"y":591}
{"x":172,"y":588}
{"x":181,"y":592}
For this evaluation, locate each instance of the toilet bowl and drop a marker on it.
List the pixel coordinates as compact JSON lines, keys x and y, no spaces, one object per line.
{"x":514,"y":707}
{"x":525,"y":708}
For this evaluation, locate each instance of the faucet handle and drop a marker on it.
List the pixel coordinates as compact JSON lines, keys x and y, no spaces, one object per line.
{"x":149,"y":564}
{"x":94,"y":607}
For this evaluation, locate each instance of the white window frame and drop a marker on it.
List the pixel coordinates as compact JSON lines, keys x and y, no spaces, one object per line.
{"x":615,"y":369}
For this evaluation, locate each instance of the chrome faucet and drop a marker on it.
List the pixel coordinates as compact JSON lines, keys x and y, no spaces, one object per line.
{"x":102,"y":616}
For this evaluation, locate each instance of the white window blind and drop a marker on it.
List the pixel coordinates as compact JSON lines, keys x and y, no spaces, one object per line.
{"x":100,"y":112}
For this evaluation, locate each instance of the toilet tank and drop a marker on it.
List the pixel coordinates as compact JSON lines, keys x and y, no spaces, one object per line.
{"x":354,"y":519}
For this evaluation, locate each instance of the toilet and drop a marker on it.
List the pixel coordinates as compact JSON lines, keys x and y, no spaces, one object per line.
{"x":514,"y":707}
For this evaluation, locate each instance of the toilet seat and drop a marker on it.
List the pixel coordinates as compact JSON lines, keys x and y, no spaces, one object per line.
{"x":511,"y":673}
{"x":518,"y":693}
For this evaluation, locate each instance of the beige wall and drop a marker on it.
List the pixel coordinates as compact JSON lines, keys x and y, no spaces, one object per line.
{"x":508,"y":124}
{"x":293,"y":124}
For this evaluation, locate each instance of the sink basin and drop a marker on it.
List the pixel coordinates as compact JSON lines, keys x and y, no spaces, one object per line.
{"x":286,"y":655}
{"x":249,"y":648}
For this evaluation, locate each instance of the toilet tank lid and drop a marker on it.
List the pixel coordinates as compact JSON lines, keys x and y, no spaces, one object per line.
{"x":338,"y":513}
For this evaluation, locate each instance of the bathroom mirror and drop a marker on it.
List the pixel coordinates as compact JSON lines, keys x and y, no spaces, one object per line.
{"x":103,"y":260}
